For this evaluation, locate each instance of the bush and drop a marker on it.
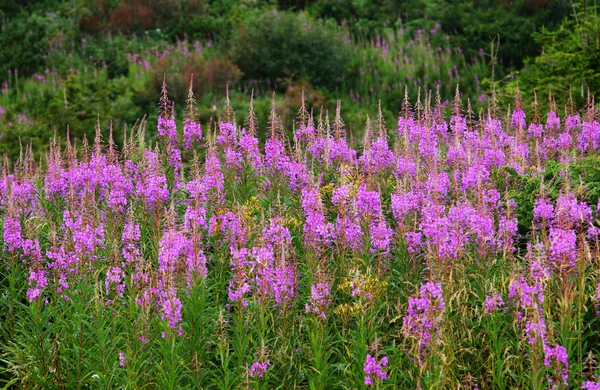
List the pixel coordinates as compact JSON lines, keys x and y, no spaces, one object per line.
{"x":570,"y":58}
{"x":24,"y":42}
{"x":292,"y":45}
{"x":472,"y":27}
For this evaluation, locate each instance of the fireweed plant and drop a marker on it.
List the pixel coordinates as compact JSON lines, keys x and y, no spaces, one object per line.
{"x":439,"y":254}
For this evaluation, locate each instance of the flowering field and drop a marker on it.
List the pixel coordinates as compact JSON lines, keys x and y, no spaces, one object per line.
{"x":440,"y":253}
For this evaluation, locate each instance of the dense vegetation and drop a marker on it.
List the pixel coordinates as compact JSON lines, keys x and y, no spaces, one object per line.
{"x":441,"y":254}
{"x":64,"y":63}
{"x":276,"y":241}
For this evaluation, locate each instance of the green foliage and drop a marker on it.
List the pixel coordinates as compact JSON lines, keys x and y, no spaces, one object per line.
{"x":77,"y":105}
{"x":280,"y":45}
{"x":25,"y":40}
{"x":366,"y":17}
{"x":570,"y":58}
{"x":216,"y":19}
{"x":382,"y":68}
{"x":473,"y":24}
{"x":585,"y":173}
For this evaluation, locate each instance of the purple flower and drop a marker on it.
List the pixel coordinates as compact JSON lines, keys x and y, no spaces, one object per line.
{"x":317,"y":231}
{"x":543,"y":210}
{"x":381,"y":236}
{"x":319,"y":299}
{"x":174,"y":246}
{"x":518,"y":119}
{"x":402,"y":204}
{"x":535,"y":331}
{"x":348,"y":233}
{"x":114,"y":275}
{"x":525,"y":295}
{"x":569,"y":209}
{"x":374,"y":369}
{"x":413,"y":241}
{"x":493,"y":303}
{"x":37,"y":281}
{"x":130,"y":239}
{"x":276,"y":235}
{"x":227,"y":134}
{"x":424,"y":316}
{"x":259,"y":369}
{"x":368,"y":203}
{"x":167,"y":129}
{"x":563,"y":246}
{"x":259,"y":273}
{"x":535,"y":130}
{"x":378,"y":157}
{"x":558,"y":356}
{"x":249,"y":146}
{"x":589,"y":385}
{"x":171,"y":310}
{"x":192,"y":133}
{"x":12,"y":233}
{"x":597,"y":298}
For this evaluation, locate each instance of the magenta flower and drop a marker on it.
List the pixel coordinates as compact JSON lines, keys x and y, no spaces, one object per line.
{"x":543,"y":210}
{"x":37,"y":281}
{"x":171,"y":310}
{"x":12,"y":233}
{"x":192,"y":133}
{"x":167,"y":129}
{"x":259,"y":369}
{"x":424,"y":316}
{"x":493,"y":303}
{"x":590,"y":385}
{"x":374,"y":369}
{"x":319,"y":299}
{"x":317,"y":231}
{"x":558,"y":356}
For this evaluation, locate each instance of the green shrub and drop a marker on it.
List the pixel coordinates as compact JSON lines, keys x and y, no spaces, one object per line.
{"x":570,"y":58}
{"x":24,"y":42}
{"x":472,"y":26}
{"x":283,"y":44}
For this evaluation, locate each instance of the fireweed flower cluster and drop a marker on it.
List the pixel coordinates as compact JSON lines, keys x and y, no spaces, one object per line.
{"x":558,"y":357}
{"x":317,"y":231}
{"x":167,"y":128}
{"x":374,"y":369}
{"x":259,"y":369}
{"x":528,"y":298}
{"x":319,"y":299}
{"x":265,"y":273}
{"x":360,"y":215}
{"x":493,"y":303}
{"x":192,"y":133}
{"x":562,"y":230}
{"x":222,"y":215}
{"x":590,"y":385}
{"x":424,"y":317}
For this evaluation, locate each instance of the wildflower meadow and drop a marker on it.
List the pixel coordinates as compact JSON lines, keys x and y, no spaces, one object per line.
{"x":442,"y":249}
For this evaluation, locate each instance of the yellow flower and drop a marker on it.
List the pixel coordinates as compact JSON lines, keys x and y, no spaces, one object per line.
{"x":326,"y":189}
